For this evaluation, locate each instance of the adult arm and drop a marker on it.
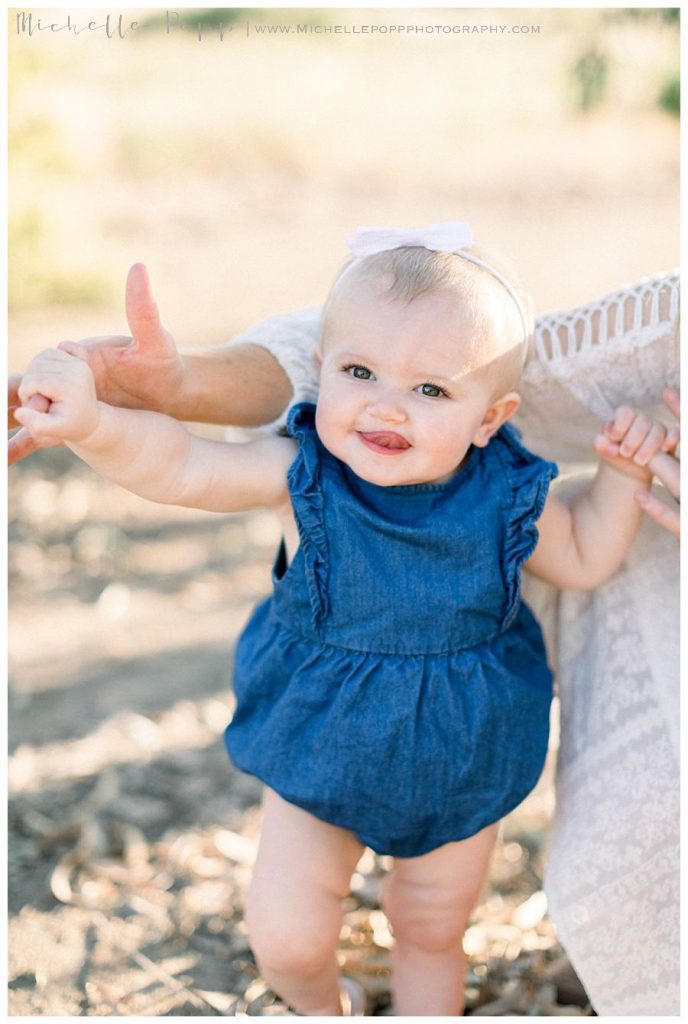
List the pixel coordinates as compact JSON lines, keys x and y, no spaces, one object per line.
{"x":150,"y":454}
{"x":241,"y":383}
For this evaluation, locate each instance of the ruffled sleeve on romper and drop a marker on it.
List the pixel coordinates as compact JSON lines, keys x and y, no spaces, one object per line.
{"x":528,"y":479}
{"x":307,"y":501}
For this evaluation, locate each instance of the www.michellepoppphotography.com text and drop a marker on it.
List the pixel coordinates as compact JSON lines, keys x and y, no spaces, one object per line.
{"x":119,"y":26}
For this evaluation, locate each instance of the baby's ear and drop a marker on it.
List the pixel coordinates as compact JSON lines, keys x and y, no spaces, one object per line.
{"x":497,"y":414}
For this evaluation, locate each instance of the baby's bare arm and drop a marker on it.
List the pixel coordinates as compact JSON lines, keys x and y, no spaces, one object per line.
{"x":583,"y":544}
{"x":157,"y":458}
{"x":148,"y":453}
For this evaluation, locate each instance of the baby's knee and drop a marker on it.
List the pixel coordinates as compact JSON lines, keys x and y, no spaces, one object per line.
{"x":422,"y":918}
{"x":285,"y":943}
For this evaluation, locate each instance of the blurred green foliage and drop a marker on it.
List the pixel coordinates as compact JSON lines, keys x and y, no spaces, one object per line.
{"x":669,"y":15}
{"x":215,"y":17}
{"x":670,"y":96}
{"x":590,"y":75}
{"x":188,"y":18}
{"x":35,"y":280}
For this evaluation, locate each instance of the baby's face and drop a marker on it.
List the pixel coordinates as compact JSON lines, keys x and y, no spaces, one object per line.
{"x":403,"y":390}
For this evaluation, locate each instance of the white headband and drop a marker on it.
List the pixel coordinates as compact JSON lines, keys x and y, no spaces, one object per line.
{"x":454,"y":236}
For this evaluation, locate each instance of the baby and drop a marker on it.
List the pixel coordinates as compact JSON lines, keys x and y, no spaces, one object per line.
{"x":375,"y":716}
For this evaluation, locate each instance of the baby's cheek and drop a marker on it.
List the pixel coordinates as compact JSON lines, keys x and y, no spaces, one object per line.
{"x":329,"y":427}
{"x":452,"y":439}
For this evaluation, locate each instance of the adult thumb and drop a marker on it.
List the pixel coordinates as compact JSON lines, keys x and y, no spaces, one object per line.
{"x":142,"y":313}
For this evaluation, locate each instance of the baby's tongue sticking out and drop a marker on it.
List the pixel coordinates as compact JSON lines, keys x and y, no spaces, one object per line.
{"x":387,"y":439}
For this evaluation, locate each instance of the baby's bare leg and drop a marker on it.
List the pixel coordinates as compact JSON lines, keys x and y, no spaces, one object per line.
{"x":428,"y":901}
{"x":294,"y":908}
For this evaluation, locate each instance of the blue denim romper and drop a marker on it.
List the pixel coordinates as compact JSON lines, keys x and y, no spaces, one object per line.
{"x":394,"y":684}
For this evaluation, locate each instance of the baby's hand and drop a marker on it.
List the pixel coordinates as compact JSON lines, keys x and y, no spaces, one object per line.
{"x":630,"y":440}
{"x":66,"y":383}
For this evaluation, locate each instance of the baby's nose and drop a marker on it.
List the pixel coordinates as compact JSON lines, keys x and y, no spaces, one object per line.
{"x":388,"y":406}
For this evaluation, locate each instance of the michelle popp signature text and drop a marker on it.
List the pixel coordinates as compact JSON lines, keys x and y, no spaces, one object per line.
{"x":113,"y":26}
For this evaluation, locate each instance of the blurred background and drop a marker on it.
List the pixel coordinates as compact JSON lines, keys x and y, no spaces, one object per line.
{"x":236,"y":168}
{"x":232,"y":151}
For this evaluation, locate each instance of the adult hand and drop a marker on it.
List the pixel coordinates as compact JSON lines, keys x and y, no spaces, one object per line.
{"x":143,"y":371}
{"x":667,"y":468}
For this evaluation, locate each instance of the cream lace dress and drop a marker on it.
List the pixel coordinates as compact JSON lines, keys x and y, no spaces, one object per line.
{"x":613,"y":870}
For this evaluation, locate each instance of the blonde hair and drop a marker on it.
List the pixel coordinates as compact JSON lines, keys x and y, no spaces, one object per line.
{"x":494,"y":310}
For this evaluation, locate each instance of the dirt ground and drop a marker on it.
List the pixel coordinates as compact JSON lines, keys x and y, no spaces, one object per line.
{"x":131,"y":835}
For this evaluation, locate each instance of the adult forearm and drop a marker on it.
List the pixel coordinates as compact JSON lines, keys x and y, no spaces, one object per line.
{"x":242,"y":385}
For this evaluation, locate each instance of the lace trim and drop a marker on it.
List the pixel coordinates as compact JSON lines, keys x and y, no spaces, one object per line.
{"x":648,"y":303}
{"x":628,"y":319}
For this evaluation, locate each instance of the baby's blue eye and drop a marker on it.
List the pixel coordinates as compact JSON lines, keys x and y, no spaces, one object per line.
{"x":358,"y":372}
{"x":430,"y":390}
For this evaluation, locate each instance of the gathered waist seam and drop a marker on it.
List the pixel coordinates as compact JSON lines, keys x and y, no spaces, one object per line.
{"x":314,"y":638}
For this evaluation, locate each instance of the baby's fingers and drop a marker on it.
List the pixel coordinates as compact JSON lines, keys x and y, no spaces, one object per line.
{"x":39,"y":385}
{"x":39,"y":424}
{"x":620,"y":423}
{"x":635,"y":435}
{"x":651,"y":444}
{"x":605,"y":447}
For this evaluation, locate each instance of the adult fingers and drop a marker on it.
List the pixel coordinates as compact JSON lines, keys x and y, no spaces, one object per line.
{"x":142,"y":313}
{"x":672,"y":400}
{"x":667,"y":469}
{"x":665,"y":515}
{"x":13,"y":382}
{"x":23,"y":443}
{"x":672,"y":440}
{"x":20,"y":445}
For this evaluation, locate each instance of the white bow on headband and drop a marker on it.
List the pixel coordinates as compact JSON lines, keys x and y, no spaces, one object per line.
{"x":454,"y":236}
{"x":449,"y":236}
